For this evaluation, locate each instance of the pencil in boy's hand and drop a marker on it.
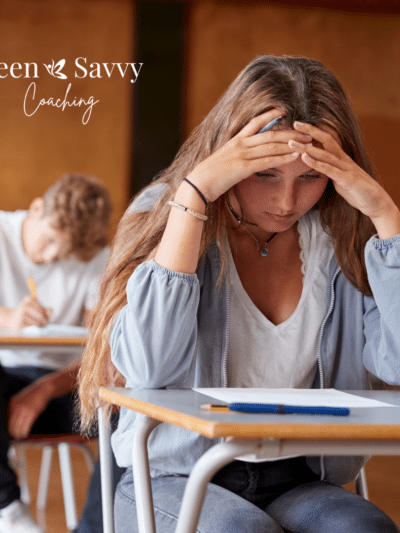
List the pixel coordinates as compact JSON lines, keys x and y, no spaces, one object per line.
{"x":32,"y":287}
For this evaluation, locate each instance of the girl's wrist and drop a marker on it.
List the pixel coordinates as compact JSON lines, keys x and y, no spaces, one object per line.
{"x":388,"y":224}
{"x":187,"y":196}
{"x":199,"y":180}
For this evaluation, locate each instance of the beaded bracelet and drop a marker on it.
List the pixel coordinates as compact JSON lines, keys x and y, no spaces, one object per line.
{"x":190,"y":211}
{"x":197,"y":190}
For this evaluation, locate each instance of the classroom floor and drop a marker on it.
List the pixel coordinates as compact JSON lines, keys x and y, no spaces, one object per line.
{"x":52,"y":519}
{"x":383,"y":475}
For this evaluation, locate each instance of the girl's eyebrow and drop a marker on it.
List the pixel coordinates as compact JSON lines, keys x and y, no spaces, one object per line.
{"x":309,"y":172}
{"x":271,"y":170}
{"x":277,"y":171}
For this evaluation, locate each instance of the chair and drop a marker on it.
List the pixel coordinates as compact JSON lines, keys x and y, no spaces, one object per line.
{"x":48,"y":443}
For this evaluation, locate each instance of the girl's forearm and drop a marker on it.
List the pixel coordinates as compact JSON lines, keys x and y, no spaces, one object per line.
{"x":180,"y":244}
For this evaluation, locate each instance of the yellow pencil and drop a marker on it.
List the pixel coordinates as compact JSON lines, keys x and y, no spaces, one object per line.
{"x":32,"y":287}
{"x":217,"y":407}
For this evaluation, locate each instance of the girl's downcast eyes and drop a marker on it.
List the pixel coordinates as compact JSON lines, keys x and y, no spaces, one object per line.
{"x":269,"y":175}
{"x":311,"y":177}
{"x":265,"y":175}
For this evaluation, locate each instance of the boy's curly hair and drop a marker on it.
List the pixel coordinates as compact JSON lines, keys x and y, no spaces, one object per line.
{"x":81,"y":206}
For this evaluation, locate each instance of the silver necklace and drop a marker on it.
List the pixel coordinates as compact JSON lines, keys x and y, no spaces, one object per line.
{"x":262,"y":248}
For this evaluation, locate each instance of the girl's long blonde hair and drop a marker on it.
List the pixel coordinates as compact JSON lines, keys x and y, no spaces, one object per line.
{"x":305,"y":91}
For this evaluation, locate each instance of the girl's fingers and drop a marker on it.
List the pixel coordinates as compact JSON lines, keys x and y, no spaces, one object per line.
{"x":277,"y":136}
{"x":355,"y":185}
{"x":324,"y":134}
{"x":329,"y":169}
{"x":266,"y":150}
{"x":319,"y":155}
{"x":257,"y":123}
{"x":263,"y":163}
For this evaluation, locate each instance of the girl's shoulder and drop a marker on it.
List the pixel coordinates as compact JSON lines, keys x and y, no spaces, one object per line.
{"x":147,"y":198}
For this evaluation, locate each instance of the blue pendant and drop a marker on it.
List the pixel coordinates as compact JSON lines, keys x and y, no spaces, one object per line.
{"x":264,"y":252}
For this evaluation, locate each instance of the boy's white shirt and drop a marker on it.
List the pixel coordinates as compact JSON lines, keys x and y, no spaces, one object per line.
{"x":68,"y":287}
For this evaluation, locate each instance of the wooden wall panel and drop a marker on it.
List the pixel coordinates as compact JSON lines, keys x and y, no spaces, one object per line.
{"x":363,"y":50}
{"x":36,"y":150}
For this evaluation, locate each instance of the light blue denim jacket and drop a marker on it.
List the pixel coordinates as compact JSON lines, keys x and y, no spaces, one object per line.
{"x":174,"y":330}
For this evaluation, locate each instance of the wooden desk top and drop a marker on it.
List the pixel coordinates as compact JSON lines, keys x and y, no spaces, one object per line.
{"x":17,"y":340}
{"x":182,"y":408}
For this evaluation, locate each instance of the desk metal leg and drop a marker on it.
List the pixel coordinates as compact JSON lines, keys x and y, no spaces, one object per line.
{"x":141,"y":475}
{"x":204,"y":469}
{"x":361,"y":484}
{"x":106,"y":472}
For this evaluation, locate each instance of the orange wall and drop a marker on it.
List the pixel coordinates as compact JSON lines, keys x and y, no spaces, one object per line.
{"x":37,"y":149}
{"x":363,"y":51}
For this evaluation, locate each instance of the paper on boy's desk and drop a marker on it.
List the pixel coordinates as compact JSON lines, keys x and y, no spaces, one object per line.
{"x":54,"y":330}
{"x":308,"y":397}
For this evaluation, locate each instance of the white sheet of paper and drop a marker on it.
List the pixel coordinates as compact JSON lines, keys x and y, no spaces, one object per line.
{"x":313,"y":397}
{"x":54,"y":330}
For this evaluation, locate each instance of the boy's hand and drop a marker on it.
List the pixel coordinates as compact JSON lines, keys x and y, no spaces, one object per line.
{"x":29,"y":313}
{"x":25,"y":407}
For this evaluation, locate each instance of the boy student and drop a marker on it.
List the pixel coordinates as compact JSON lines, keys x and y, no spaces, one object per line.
{"x":60,"y":242}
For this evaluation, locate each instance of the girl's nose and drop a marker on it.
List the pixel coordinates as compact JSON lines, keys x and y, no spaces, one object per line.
{"x":286,"y":200}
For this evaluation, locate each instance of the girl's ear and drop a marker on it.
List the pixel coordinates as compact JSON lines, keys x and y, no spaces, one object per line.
{"x":37,"y":206}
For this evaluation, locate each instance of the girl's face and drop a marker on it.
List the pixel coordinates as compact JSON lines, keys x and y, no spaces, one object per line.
{"x":276,"y":198}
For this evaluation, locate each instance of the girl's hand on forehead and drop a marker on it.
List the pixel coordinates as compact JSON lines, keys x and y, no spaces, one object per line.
{"x":357,"y":187}
{"x":246,"y":153}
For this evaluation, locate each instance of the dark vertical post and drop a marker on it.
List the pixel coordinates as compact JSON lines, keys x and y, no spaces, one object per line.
{"x":157,"y":108}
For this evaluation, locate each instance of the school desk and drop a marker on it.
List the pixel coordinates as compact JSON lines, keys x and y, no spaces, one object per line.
{"x":366,"y":431}
{"x":18,"y":340}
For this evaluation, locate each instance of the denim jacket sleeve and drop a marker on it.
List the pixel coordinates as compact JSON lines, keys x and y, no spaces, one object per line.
{"x":153,"y":340}
{"x":382,"y":312}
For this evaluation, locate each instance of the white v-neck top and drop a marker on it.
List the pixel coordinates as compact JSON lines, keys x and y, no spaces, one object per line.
{"x":261,"y":354}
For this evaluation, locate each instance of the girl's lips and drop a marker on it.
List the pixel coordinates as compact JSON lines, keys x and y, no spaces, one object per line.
{"x":281,"y":217}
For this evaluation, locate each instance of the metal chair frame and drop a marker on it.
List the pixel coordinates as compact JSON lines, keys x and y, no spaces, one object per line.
{"x":48,"y":443}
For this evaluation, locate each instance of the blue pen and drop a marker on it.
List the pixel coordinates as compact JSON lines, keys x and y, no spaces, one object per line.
{"x":270,"y":125}
{"x":288,"y":409}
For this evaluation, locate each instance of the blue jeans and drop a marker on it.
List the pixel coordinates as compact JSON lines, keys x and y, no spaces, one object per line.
{"x":273,"y":497}
{"x":91,"y":520}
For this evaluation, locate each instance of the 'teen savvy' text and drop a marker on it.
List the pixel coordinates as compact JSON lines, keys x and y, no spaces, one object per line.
{"x":94,"y":70}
